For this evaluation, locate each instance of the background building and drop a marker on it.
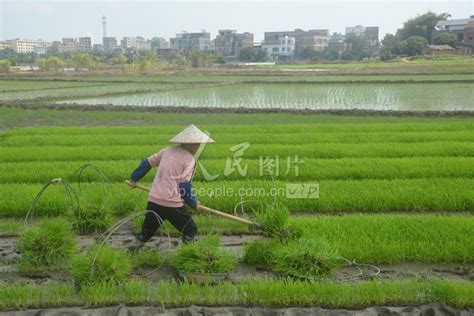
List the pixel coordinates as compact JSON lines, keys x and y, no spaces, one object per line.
{"x":455,"y":26}
{"x":85,"y":44}
{"x":337,"y":43}
{"x":23,"y":46}
{"x":370,"y":34}
{"x":229,"y":43}
{"x":285,"y":48}
{"x":128,"y":42}
{"x":317,"y":40}
{"x":4,"y":45}
{"x":109,"y":43}
{"x":69,"y":45}
{"x":186,"y":42}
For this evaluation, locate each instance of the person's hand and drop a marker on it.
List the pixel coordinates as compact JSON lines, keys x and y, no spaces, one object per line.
{"x":132,"y":184}
{"x":198,"y":205}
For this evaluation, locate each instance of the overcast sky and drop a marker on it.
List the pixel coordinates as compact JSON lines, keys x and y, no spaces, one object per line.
{"x":52,"y":20}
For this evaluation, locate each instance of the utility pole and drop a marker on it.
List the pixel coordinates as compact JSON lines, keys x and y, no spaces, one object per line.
{"x":104,"y":24}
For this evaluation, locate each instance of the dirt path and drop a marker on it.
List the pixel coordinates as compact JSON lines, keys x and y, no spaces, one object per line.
{"x":9,"y":255}
{"x":428,"y":309}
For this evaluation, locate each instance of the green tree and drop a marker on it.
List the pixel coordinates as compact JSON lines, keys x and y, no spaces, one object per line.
{"x":308,"y":53}
{"x":386,"y":53}
{"x":218,"y":59}
{"x":356,"y":41}
{"x":200,"y":59}
{"x":422,"y":25}
{"x":83,"y":61}
{"x":247,"y":54}
{"x":445,"y":38}
{"x":119,"y":60}
{"x":260,"y":55}
{"x":5,"y":65}
{"x":55,"y":62}
{"x":42,"y":63}
{"x":415,"y":44}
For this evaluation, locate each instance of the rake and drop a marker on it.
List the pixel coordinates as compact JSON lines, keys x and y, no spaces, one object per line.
{"x":211,"y":211}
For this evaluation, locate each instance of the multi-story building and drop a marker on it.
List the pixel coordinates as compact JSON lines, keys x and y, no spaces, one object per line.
{"x":143,"y":44}
{"x":85,"y":44}
{"x":369,"y":33}
{"x":160,"y":43}
{"x":358,"y":30}
{"x":284,"y":48}
{"x":23,"y":46}
{"x":110,"y":43}
{"x":469,"y":33}
{"x":4,"y":45}
{"x":135,"y":43}
{"x":186,"y":42}
{"x":229,"y":43}
{"x":315,"y":39}
{"x":128,"y":42}
{"x":97,"y":48}
{"x":69,"y":45}
{"x":372,"y":35}
{"x":41,"y":50}
{"x":454,"y":26}
{"x":337,"y":43}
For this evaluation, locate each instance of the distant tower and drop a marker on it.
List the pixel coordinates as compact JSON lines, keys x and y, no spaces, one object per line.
{"x":104,"y":24}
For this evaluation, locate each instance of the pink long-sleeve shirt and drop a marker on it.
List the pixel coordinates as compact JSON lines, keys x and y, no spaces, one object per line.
{"x":175,"y":165}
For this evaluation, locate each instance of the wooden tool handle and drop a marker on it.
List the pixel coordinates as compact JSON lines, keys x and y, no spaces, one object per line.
{"x":208,"y":209}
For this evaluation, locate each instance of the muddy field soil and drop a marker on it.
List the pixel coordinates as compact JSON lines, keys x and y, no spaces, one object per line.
{"x":9,"y":255}
{"x":428,"y":309}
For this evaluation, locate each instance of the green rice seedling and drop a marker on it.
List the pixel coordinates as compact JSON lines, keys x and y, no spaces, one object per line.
{"x":310,"y":169}
{"x":252,"y":292}
{"x":160,"y":139}
{"x":100,"y":264}
{"x":147,"y":258}
{"x":46,"y":244}
{"x":203,"y":256}
{"x":260,"y":252}
{"x":274,"y":222}
{"x":323,"y":151}
{"x":91,"y":218}
{"x":304,"y":258}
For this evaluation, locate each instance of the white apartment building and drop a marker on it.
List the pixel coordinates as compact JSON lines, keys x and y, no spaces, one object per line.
{"x":284,"y":48}
{"x":129,"y":42}
{"x":23,"y":46}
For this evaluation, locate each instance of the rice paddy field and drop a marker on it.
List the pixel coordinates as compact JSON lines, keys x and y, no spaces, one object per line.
{"x":395,"y":193}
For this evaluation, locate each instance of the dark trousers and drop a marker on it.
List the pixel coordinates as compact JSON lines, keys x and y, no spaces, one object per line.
{"x":179,"y":217}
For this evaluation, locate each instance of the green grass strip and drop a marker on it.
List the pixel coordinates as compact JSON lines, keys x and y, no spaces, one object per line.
{"x":232,"y":138}
{"x":328,"y":150}
{"x":351,"y":196}
{"x":309,"y":169}
{"x":253,"y":124}
{"x":270,"y":293}
{"x":395,"y":238}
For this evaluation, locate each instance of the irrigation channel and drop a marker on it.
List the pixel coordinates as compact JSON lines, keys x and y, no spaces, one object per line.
{"x":305,"y":96}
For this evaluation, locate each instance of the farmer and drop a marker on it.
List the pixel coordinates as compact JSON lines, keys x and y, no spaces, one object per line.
{"x":171,"y":186}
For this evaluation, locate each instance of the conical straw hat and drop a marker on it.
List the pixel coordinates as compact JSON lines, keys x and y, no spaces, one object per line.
{"x":191,"y":135}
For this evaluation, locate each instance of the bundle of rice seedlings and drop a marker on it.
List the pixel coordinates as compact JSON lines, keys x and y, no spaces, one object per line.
{"x":274,"y":222}
{"x":260,"y":252}
{"x":91,"y":219}
{"x":46,"y":244}
{"x":147,"y":258}
{"x":203,"y":256}
{"x":304,"y":258}
{"x":110,"y":265}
